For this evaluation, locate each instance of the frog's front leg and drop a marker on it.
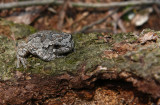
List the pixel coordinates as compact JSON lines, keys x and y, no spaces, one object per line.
{"x":62,"y":50}
{"x":22,"y":51}
{"x":21,"y":60}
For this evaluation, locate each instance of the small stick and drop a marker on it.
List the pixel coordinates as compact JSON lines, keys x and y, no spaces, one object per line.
{"x":77,"y":4}
{"x":62,"y":14}
{"x":96,"y":22}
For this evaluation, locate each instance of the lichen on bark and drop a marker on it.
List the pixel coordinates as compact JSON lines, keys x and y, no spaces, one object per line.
{"x":89,"y":50}
{"x":95,"y":56}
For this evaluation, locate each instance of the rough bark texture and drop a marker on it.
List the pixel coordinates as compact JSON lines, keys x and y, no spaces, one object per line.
{"x":97,"y":60}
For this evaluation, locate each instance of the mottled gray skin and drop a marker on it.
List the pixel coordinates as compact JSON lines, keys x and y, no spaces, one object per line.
{"x":47,"y":45}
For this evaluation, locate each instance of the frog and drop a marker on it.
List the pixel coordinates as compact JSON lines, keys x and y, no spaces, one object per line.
{"x":47,"y":45}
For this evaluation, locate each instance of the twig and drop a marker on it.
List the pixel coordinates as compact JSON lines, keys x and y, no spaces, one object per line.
{"x":52,"y":10}
{"x":29,"y":3}
{"x":96,"y":22}
{"x":78,"y":4}
{"x":155,"y":7}
{"x":62,"y":14}
{"x":118,"y":19}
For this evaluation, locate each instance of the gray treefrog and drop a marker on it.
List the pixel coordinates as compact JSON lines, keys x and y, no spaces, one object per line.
{"x":47,"y":45}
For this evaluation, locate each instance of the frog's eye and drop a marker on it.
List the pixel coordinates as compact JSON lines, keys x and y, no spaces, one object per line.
{"x":57,"y":46}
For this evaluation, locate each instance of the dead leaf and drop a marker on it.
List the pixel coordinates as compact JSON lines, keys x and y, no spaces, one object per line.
{"x":110,"y":54}
{"x":122,"y":48}
{"x":27,"y":16}
{"x":150,"y":36}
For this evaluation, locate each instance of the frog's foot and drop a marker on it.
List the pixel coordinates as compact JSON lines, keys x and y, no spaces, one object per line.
{"x":59,"y":56}
{"x":21,"y":60}
{"x":49,"y":57}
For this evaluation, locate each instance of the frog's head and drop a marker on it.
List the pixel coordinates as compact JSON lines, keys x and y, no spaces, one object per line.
{"x":64,"y":44}
{"x":67,"y":41}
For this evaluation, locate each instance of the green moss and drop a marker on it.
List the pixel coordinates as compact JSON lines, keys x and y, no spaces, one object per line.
{"x":141,"y":62}
{"x":7,"y":57}
{"x":127,"y":37}
{"x":88,"y":52}
{"x":8,"y":46}
{"x":19,"y":30}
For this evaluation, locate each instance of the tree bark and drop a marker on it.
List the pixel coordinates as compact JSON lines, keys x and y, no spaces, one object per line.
{"x":96,"y":57}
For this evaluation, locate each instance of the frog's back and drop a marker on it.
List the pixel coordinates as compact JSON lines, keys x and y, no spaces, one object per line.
{"x":46,"y":34}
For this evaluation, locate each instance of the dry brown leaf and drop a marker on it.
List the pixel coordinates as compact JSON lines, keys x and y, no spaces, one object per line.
{"x":150,"y":36}
{"x":110,"y":54}
{"x":28,"y":16}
